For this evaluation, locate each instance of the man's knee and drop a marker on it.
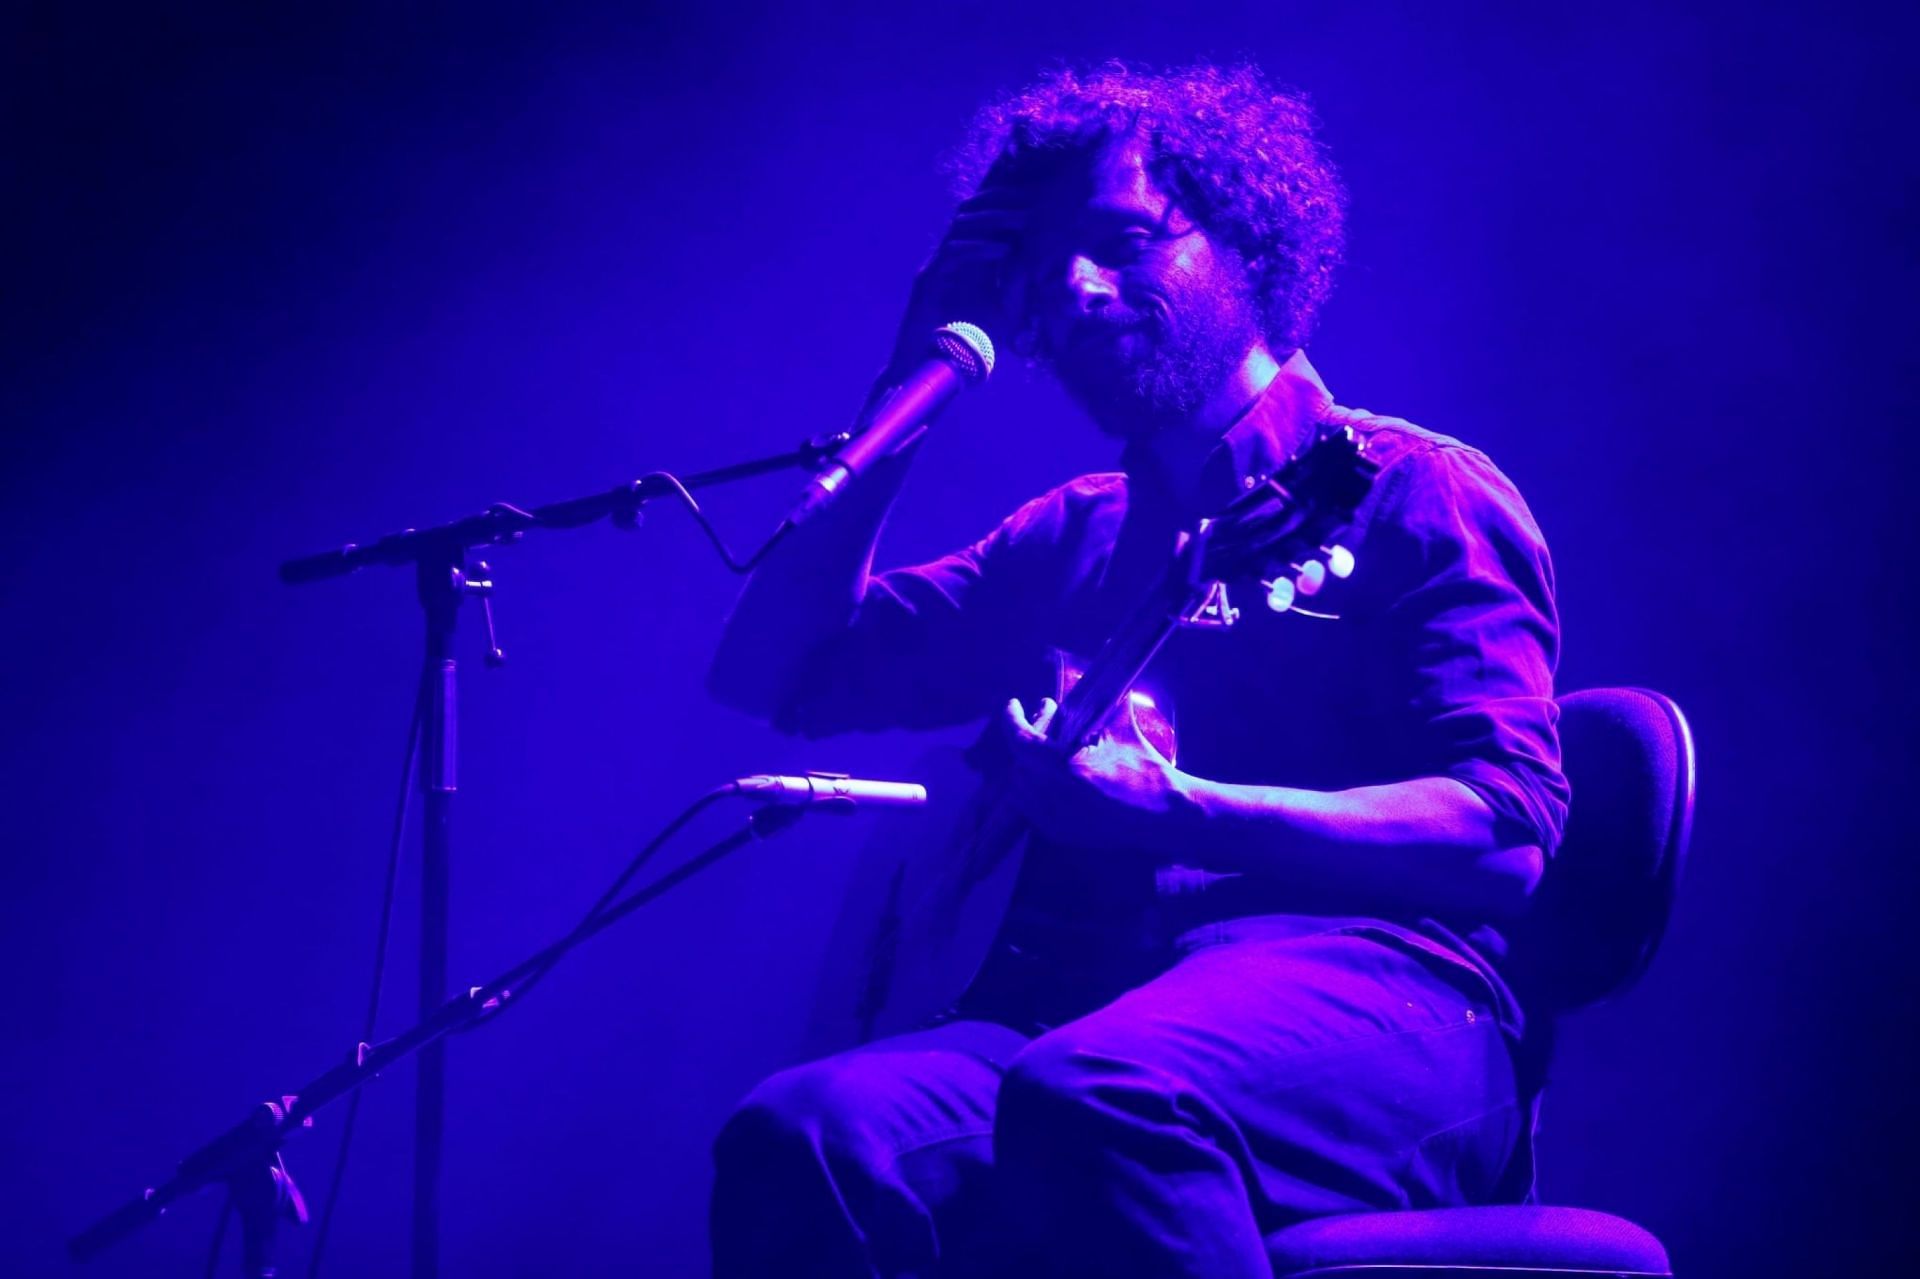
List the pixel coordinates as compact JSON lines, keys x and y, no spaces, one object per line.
{"x":778,"y":1162}
{"x":812,"y":1106}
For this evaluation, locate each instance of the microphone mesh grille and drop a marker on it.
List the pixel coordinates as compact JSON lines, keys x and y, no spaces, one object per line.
{"x":967,"y":347}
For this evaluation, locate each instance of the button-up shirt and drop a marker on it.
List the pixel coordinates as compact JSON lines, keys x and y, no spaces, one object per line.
{"x":1436,"y":659}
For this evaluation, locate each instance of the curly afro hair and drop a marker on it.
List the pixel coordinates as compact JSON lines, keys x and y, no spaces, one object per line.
{"x":1238,"y":154}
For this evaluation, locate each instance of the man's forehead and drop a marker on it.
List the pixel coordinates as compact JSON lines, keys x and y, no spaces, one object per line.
{"x":1120,"y":179}
{"x":1114,"y":184}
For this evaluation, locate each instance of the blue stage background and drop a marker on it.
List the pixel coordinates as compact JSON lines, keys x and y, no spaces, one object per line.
{"x":274,"y":284}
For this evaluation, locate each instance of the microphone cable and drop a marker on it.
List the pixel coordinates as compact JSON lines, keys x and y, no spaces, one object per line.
{"x":685,"y":497}
{"x":540,"y":518}
{"x":607,"y":898}
{"x":408,"y":777}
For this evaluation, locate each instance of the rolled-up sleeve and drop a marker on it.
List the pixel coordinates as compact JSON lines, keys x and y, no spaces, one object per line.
{"x":1477,"y":637}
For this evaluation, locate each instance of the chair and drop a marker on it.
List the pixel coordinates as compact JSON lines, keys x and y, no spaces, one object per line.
{"x":1596,"y":921}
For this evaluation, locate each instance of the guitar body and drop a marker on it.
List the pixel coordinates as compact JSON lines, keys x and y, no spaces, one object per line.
{"x":911,"y":936}
{"x":933,"y":895}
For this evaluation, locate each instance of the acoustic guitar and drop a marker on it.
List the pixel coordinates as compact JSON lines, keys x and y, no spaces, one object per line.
{"x":925,"y":915}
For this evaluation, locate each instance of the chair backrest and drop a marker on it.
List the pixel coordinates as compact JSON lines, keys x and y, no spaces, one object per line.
{"x":1602,"y":907}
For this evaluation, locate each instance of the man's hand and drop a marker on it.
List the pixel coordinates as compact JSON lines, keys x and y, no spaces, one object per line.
{"x":1118,"y":792}
{"x":971,"y":274}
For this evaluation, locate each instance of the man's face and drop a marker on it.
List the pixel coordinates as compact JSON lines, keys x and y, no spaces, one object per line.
{"x":1140,"y":315}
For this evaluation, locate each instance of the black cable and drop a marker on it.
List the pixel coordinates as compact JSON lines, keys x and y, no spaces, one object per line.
{"x":765,"y":821}
{"x":521,"y":518}
{"x":408,"y":776}
{"x":219,"y":1236}
{"x":520,"y":988}
{"x":753,"y":561}
{"x":713,"y":534}
{"x":640,"y":858}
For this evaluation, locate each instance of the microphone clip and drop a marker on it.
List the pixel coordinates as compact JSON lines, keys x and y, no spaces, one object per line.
{"x":829,"y":797}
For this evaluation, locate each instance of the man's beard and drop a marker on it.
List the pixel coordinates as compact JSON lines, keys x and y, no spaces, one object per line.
{"x":1136,"y":375}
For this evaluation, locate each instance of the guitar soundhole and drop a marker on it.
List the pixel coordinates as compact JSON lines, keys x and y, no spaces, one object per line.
{"x":1150,"y":711}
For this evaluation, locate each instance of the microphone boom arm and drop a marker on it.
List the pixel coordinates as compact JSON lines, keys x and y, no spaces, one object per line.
{"x":505,"y":522}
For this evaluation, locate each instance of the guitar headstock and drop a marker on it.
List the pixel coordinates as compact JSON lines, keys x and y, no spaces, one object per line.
{"x":1283,"y":530}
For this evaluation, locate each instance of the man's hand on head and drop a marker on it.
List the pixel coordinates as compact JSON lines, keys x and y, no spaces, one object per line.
{"x":970,"y":275}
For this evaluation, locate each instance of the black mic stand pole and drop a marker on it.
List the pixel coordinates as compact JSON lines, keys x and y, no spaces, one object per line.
{"x":443,"y":581}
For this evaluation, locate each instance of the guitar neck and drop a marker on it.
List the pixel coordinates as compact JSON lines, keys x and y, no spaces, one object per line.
{"x":1113,"y":671}
{"x":1287,"y":519}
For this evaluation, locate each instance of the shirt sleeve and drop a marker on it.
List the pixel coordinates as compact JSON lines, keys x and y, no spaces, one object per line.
{"x":933,"y":644}
{"x":1475,"y":636}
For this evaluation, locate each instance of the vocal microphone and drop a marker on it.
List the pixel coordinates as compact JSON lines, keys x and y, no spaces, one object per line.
{"x":962,"y":357}
{"x":836,"y":789}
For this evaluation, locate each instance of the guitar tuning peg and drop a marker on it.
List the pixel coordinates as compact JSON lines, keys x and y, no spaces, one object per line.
{"x":1339,"y":560}
{"x":1279,"y":594}
{"x":1309,"y":577}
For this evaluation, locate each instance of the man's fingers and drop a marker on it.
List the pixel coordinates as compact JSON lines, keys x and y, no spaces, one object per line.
{"x":998,"y":197}
{"x":1044,"y":719}
{"x":968,"y":250}
{"x":1034,"y":729}
{"x":997,"y":227}
{"x":1001,"y":232}
{"x":1003,"y":214}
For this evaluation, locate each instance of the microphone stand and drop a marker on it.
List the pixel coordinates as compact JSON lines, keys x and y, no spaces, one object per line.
{"x":247,"y":1156}
{"x":446,"y":575}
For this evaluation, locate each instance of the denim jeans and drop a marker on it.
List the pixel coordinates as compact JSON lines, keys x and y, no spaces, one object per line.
{"x":1266,"y":1077}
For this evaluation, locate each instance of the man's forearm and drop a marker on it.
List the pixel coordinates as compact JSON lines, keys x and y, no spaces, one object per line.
{"x":802,"y":594}
{"x":1429,"y":844}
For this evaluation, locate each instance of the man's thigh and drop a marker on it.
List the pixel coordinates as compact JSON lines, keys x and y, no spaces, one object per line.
{"x":1340,"y":1072}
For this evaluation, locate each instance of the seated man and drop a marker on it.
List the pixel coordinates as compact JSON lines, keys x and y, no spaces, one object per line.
{"x":1308,"y":1015}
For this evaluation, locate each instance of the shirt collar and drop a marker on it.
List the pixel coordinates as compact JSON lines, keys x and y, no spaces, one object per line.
{"x":1274,"y":428}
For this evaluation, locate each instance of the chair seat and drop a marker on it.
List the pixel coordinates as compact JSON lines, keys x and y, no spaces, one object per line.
{"x":1504,"y":1240}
